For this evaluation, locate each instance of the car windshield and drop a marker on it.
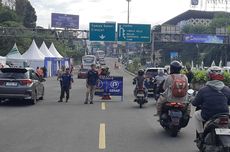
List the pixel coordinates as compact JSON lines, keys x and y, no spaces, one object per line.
{"x":152,"y":72}
{"x":13,"y":75}
{"x":88,"y":60}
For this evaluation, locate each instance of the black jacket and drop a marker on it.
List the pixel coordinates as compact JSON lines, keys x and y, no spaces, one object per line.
{"x":212,"y":101}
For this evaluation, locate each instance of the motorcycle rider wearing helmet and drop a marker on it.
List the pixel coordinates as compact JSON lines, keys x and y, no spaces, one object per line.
{"x":167,"y":95}
{"x":213,"y":99}
{"x":139,"y":80}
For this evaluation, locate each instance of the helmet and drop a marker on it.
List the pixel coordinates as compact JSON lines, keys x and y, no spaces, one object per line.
{"x":215,"y":73}
{"x":175,"y":67}
{"x":141,"y":72}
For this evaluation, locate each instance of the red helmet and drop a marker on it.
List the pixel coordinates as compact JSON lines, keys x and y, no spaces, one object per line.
{"x":215,"y":73}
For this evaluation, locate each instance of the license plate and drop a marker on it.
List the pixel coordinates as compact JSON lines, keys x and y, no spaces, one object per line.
{"x":175,"y":114}
{"x":140,"y":95}
{"x":222,"y":131}
{"x":11,"y":84}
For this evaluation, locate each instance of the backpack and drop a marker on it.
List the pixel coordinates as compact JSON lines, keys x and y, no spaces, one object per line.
{"x":179,"y":86}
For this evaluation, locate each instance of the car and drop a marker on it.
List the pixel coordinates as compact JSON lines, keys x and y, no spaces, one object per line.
{"x":102,"y":62}
{"x":82,"y":73}
{"x":21,"y":83}
{"x":153,"y":72}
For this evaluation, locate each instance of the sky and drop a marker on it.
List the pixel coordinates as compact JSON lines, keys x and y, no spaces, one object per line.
{"x":152,"y":12}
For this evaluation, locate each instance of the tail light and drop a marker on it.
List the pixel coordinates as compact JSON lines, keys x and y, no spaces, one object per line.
{"x":26,"y":82}
{"x":223,"y":121}
{"x":175,"y":104}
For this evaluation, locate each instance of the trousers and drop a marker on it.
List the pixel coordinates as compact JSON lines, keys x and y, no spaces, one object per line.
{"x":198,"y":121}
{"x":63,"y":92}
{"x":90,"y":91}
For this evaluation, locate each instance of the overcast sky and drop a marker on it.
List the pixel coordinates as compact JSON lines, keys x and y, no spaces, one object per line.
{"x":141,"y":11}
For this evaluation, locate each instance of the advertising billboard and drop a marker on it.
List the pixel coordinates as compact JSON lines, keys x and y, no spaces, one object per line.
{"x":64,"y":21}
{"x":203,"y":38}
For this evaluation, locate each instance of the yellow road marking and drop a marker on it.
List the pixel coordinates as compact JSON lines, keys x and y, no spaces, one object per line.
{"x":103,"y":106}
{"x":102,"y":144}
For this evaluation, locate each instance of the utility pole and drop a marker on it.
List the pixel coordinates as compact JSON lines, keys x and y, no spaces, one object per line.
{"x":128,"y":10}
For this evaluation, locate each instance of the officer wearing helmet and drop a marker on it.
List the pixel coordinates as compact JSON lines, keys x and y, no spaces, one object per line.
{"x":167,"y":95}
{"x":139,"y":81}
{"x":213,"y":98}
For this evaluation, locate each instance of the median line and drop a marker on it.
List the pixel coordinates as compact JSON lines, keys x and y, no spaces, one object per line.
{"x":102,"y":142}
{"x":103,"y":107}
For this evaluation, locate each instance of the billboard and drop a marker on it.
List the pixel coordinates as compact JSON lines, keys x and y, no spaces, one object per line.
{"x":203,"y":38}
{"x":64,"y":21}
{"x":194,"y":2}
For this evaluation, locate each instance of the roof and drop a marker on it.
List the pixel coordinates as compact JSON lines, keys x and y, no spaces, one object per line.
{"x":45,"y":51}
{"x":191,"y":14}
{"x":54,"y":51}
{"x":14,"y":53}
{"x":33,"y":53}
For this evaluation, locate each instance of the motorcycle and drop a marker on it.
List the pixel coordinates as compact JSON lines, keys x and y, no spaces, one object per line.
{"x":141,"y":96}
{"x":174,"y":116}
{"x":216,"y":136}
{"x":151,"y":86}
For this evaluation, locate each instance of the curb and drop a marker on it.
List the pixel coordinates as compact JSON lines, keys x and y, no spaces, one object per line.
{"x":132,"y":74}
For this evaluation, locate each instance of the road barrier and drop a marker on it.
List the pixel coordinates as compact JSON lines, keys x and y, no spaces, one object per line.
{"x":110,"y":85}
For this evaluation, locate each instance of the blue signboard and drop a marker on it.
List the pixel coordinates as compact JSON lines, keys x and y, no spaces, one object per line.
{"x":203,"y":38}
{"x":102,"y":31}
{"x":134,"y":32}
{"x":64,"y":21}
{"x":111,"y":85}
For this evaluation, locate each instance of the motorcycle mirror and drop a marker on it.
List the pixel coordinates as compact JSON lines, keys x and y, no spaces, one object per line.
{"x":190,"y":91}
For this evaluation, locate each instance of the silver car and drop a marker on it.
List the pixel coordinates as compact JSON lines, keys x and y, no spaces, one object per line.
{"x":21,"y":83}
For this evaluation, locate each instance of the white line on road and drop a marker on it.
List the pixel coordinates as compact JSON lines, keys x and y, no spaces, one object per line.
{"x":102,"y":143}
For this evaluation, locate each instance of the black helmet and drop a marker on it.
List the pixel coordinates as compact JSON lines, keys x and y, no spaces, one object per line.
{"x":141,"y":72}
{"x":175,"y":67}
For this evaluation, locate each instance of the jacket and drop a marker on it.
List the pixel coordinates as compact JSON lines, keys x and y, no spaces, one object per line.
{"x":213,"y":99}
{"x":92,"y":77}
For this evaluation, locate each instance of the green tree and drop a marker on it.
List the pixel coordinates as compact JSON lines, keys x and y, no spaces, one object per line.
{"x":30,"y":16}
{"x":20,"y":7}
{"x":7,"y":15}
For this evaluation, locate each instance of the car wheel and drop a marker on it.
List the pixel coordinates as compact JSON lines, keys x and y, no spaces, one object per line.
{"x":34,"y":100}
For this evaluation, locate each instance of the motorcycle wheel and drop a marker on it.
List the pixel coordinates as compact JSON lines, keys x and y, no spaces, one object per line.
{"x":173,"y":132}
{"x":140,"y":104}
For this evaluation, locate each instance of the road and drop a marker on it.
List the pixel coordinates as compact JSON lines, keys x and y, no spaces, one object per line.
{"x":113,"y":126}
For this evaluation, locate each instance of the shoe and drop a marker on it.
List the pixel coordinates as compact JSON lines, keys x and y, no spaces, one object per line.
{"x":91,"y":102}
{"x":66,"y":100}
{"x":85,"y":102}
{"x":60,"y":101}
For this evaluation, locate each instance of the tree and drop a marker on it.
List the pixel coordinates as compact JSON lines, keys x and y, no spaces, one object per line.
{"x":7,"y":15}
{"x":20,"y":7}
{"x":30,"y":16}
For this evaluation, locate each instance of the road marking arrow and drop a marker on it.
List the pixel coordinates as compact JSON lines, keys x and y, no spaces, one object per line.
{"x":102,"y":36}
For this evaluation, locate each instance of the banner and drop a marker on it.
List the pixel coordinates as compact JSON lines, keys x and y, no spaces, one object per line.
{"x":64,"y":21}
{"x":203,"y":38}
{"x":194,"y":2}
{"x":173,"y":55}
{"x":110,"y":85}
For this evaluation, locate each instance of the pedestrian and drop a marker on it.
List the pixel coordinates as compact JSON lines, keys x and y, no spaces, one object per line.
{"x":189,"y":75}
{"x":59,"y":74}
{"x":91,"y":82}
{"x":66,"y":85}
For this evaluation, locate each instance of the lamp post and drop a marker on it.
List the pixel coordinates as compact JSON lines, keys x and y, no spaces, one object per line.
{"x":128,"y":9}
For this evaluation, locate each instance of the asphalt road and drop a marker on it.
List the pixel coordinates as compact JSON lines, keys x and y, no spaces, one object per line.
{"x":112,"y":126}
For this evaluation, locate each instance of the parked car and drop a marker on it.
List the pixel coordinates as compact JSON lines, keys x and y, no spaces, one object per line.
{"x":82,"y":73}
{"x":21,"y":83}
{"x":152,"y":72}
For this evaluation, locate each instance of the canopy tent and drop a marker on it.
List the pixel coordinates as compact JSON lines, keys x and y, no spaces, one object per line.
{"x":33,"y":56}
{"x":54,"y":51}
{"x":45,"y":51}
{"x":14,"y":53}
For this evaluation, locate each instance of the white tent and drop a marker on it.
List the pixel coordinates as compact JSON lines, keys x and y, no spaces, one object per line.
{"x":33,"y":56}
{"x":45,"y":51}
{"x":14,"y":53}
{"x":54,"y":51}
{"x":2,"y":60}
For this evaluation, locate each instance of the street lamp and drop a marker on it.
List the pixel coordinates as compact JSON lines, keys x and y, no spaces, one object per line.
{"x":128,"y":9}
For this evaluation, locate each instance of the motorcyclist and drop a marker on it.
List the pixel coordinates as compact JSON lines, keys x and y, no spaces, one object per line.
{"x":167,"y":95}
{"x":159,"y":79}
{"x":139,"y":81}
{"x":213,"y":98}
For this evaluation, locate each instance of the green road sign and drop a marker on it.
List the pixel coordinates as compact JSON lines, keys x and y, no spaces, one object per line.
{"x":134,"y":32}
{"x":102,"y":31}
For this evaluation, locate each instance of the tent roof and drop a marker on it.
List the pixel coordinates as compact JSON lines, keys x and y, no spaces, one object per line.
{"x":54,"y":51}
{"x":45,"y":51}
{"x":33,"y":53}
{"x":14,"y":53}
